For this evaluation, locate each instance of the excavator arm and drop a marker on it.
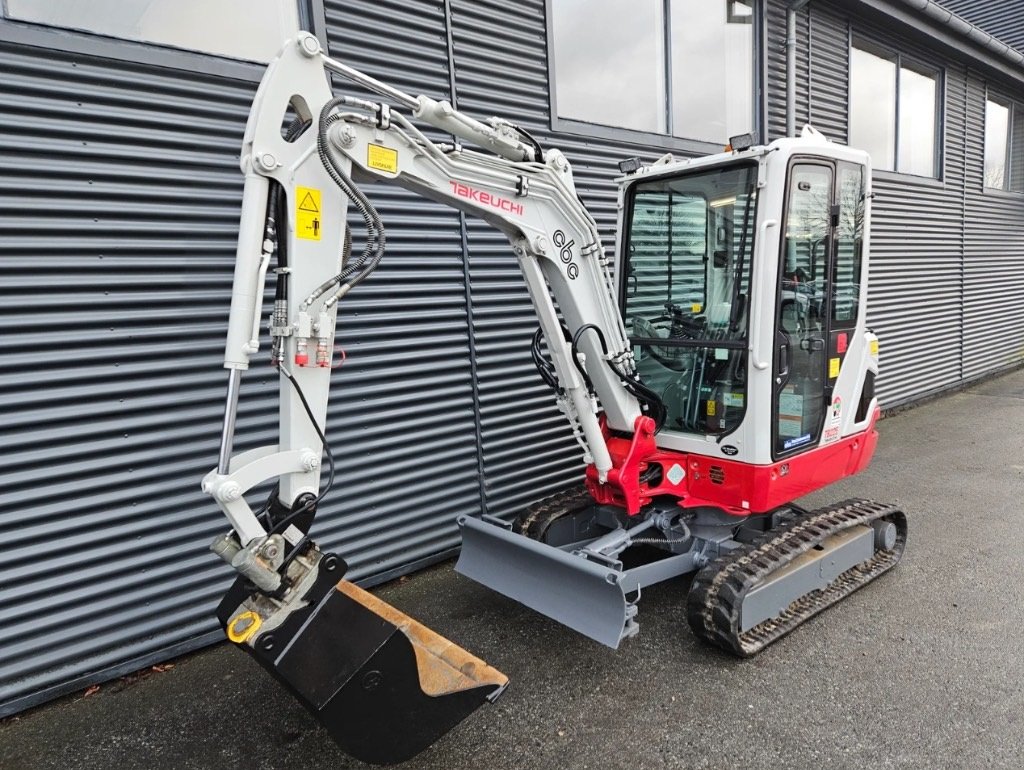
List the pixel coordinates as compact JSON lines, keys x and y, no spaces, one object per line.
{"x":385,"y":686}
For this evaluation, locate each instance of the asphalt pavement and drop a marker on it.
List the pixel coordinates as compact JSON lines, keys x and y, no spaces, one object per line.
{"x":924,"y":668}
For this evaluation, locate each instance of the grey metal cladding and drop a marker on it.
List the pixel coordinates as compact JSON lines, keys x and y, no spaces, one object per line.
{"x":120,"y":199}
{"x":1000,"y":18}
{"x":527,"y":452}
{"x":993,"y":256}
{"x":402,"y":415}
{"x":947,"y":270}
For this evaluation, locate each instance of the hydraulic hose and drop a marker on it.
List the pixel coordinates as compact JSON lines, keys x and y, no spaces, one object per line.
{"x":353,"y":273}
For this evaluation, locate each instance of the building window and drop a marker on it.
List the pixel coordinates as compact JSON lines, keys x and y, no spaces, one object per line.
{"x":894,"y":112}
{"x":1004,"y":145}
{"x":682,"y":68}
{"x":253,"y":30}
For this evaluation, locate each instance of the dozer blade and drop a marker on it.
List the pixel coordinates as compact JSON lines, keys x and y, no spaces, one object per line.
{"x":579,"y":593}
{"x":384,"y":685}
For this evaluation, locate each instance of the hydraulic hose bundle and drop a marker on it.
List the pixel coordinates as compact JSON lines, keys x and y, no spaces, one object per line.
{"x":649,"y":399}
{"x":352,"y":273}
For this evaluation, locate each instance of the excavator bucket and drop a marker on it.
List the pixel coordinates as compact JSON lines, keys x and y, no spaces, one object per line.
{"x":384,"y":685}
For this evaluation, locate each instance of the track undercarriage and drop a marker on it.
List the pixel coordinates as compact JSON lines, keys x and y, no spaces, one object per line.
{"x":757,"y":577}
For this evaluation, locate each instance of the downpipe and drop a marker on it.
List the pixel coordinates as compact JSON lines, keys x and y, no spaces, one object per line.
{"x":791,"y":11}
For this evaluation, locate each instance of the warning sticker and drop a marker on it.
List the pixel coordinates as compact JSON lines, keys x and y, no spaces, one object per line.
{"x":382,"y":158}
{"x":733,"y":399}
{"x":835,"y":417}
{"x":874,"y":347}
{"x":833,"y":368}
{"x":696,"y":307}
{"x":308,"y":222}
{"x":711,"y":408}
{"x":836,"y":412}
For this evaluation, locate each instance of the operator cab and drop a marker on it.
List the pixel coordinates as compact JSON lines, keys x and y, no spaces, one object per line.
{"x":696,"y":236}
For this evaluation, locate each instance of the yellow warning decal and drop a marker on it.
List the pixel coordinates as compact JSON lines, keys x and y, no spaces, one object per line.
{"x":308,"y":221}
{"x":833,"y":368}
{"x":696,"y":307}
{"x":711,"y":408}
{"x":874,"y":347}
{"x":382,"y":158}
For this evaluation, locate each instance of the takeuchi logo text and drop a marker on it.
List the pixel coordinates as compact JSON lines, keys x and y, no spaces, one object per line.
{"x":485,"y":198}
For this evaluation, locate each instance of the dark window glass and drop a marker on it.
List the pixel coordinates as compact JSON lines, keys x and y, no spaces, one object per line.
{"x":917,"y":123}
{"x":873,"y":107}
{"x":686,"y":286}
{"x":882,"y":88}
{"x":802,"y":293}
{"x":609,"y":62}
{"x":997,"y":133}
{"x":613,"y":60}
{"x":716,"y":40}
{"x":849,"y":247}
{"x":1004,"y":146}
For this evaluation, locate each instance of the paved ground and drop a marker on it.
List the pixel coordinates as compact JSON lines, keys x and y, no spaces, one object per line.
{"x":922,"y":669}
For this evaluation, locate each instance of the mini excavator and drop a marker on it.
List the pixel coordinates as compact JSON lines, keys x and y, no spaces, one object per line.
{"x":717,"y":370}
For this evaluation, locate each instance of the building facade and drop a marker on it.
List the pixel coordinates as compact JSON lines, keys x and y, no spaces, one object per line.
{"x":119,"y":155}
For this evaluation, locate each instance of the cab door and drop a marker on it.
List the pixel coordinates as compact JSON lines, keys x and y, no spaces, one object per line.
{"x":801,"y":357}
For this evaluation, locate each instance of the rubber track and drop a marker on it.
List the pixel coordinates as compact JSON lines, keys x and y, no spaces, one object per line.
{"x":718,"y":590}
{"x":536,"y":518}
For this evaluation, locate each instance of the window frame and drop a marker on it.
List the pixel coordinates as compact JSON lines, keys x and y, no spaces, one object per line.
{"x":902,"y":61}
{"x":95,"y":44}
{"x":1013,"y":106}
{"x":665,"y":141}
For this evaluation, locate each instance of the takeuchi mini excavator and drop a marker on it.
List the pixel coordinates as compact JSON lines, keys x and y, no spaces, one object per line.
{"x":713,"y":372}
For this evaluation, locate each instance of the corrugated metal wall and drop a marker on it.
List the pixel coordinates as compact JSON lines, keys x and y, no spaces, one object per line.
{"x":117,"y":236}
{"x":403,"y":412}
{"x":121,"y":190}
{"x":119,"y":201}
{"x":993,"y":267}
{"x":947,"y":257}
